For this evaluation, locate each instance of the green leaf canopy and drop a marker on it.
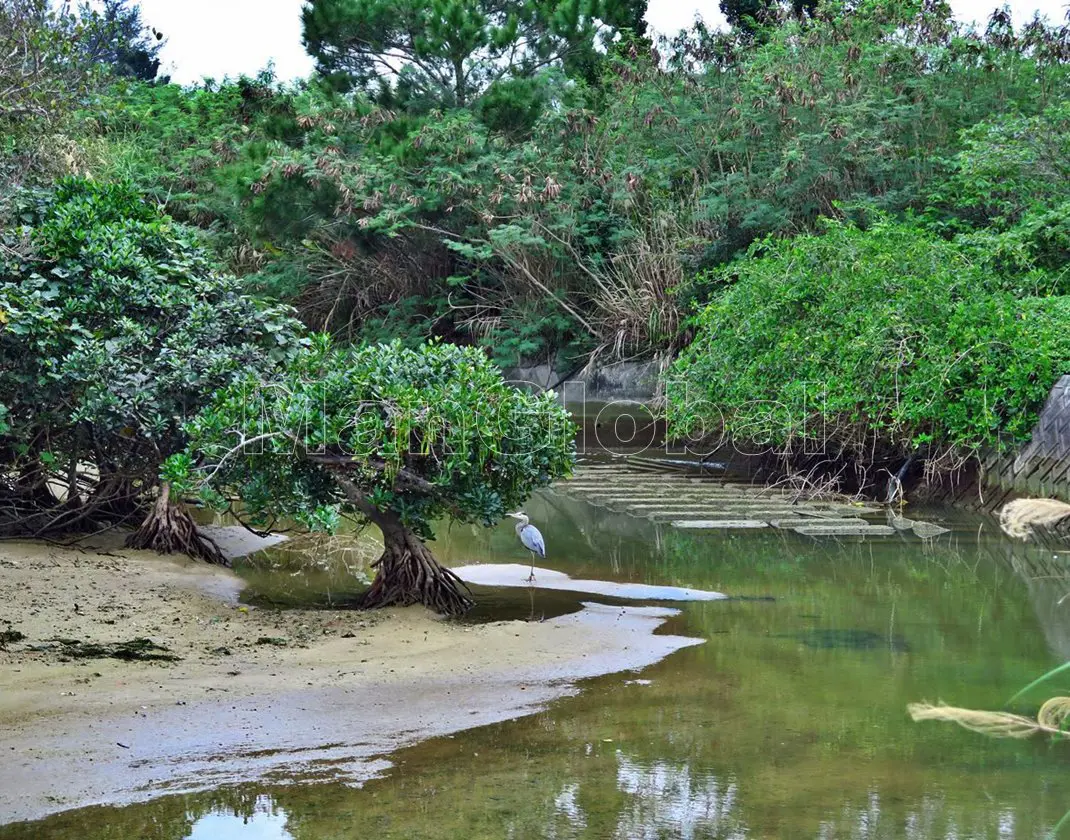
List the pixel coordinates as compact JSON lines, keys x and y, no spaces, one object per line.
{"x":419,"y":433}
{"x":116,"y":329}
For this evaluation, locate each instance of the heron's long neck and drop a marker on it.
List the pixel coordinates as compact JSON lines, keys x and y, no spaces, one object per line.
{"x":521,"y":524}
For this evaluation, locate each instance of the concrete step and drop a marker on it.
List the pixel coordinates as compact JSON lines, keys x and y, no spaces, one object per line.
{"x":652,"y":500}
{"x":814,"y":521}
{"x":719,"y":524}
{"x":677,"y":504}
{"x":664,"y":498}
{"x":860,"y":530}
{"x":639,"y":482}
{"x":665,"y":491}
{"x":706,"y":502}
{"x":669,"y":484}
{"x":715,"y":512}
{"x":659,"y":492}
{"x":649,"y":492}
{"x":832,"y":509}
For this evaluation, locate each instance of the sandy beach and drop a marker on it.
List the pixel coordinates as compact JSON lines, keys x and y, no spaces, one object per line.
{"x":254,"y":693}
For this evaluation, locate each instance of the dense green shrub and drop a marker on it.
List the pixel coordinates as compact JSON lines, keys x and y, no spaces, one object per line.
{"x":53,"y":56}
{"x":877,"y":340}
{"x":1007,"y":166}
{"x":116,"y":327}
{"x":1006,"y":197}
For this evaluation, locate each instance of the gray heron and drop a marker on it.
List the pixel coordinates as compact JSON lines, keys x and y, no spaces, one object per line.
{"x":530,"y":538}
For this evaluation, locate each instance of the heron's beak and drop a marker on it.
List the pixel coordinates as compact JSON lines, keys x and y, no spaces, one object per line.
{"x":513,"y":515}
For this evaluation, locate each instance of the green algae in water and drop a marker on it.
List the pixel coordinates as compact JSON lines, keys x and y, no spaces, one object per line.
{"x":133,"y":650}
{"x":755,"y":734}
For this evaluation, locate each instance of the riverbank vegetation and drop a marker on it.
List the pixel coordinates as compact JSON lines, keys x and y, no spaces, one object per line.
{"x":854,"y":213}
{"x":864,"y":344}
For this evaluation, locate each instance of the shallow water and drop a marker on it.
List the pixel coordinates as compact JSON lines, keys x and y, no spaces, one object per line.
{"x":789,"y":722}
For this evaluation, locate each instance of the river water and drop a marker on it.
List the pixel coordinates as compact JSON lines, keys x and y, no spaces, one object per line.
{"x":788,"y":722}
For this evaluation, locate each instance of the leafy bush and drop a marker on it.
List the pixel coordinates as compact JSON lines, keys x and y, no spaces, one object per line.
{"x":53,"y":55}
{"x":1008,"y":165}
{"x":887,"y":338}
{"x":1006,"y":197}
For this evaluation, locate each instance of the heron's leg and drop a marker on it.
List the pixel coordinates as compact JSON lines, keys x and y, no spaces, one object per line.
{"x":531,"y":577}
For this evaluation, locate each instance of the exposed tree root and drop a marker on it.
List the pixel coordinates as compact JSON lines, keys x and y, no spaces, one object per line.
{"x":169,"y":529}
{"x":409,"y":574}
{"x":30,"y":510}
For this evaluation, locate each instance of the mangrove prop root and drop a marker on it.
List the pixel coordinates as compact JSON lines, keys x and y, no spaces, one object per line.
{"x":409,"y":574}
{"x":169,"y":529}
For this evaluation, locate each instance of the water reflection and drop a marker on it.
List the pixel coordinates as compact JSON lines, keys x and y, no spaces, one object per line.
{"x":568,"y":819}
{"x":265,"y":822}
{"x":671,"y":798}
{"x":788,"y":723}
{"x":1046,"y":573}
{"x":621,"y":795}
{"x":932,"y":818}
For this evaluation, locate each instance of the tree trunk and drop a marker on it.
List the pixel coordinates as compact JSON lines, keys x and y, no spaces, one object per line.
{"x":459,"y":82}
{"x":169,"y":529}
{"x":409,"y":574}
{"x":407,"y":571}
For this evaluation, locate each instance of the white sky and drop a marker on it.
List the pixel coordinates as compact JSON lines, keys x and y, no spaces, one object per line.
{"x":215,"y":38}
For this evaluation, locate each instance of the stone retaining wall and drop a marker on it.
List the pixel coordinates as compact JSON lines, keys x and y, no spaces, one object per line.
{"x":1041,"y":467}
{"x":619,"y":380}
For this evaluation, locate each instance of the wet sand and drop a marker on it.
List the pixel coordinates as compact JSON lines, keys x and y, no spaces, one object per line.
{"x":517,"y":575}
{"x":280,"y":695}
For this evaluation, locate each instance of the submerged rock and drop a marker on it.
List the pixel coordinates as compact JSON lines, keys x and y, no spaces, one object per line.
{"x":834,"y":639}
{"x":927,"y":530}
